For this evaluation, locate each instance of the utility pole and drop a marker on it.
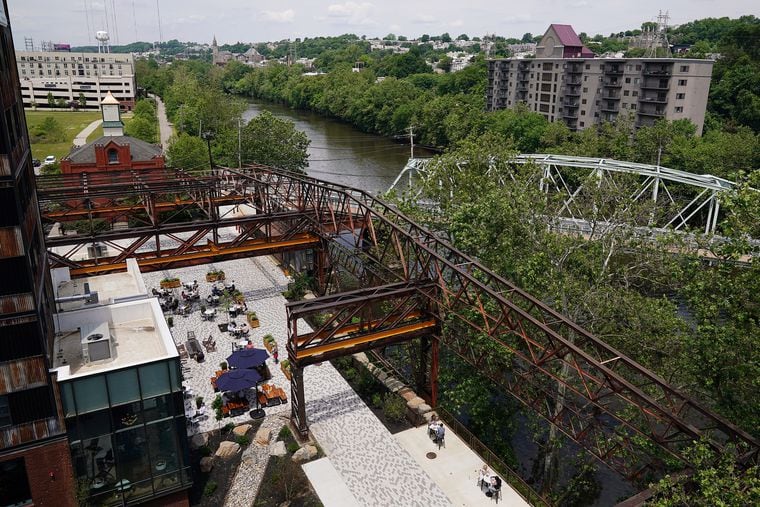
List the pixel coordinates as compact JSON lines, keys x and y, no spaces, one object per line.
{"x":411,"y":139}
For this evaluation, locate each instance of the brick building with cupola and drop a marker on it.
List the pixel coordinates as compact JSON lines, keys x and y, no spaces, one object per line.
{"x":114,"y":151}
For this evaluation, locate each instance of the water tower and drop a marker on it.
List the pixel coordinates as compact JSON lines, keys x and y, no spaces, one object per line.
{"x":102,"y":37}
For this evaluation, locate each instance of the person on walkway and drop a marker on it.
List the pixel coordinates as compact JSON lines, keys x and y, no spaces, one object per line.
{"x":275,"y":352}
{"x":441,"y":432}
{"x":483,"y":476}
{"x":249,"y":345}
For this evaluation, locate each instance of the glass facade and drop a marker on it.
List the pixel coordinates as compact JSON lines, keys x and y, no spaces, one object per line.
{"x":128,"y":433}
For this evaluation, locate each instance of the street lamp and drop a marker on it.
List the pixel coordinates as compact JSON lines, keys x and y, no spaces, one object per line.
{"x":208,"y":136}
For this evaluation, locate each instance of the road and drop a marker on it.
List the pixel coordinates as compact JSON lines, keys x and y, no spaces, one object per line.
{"x":164,"y":127}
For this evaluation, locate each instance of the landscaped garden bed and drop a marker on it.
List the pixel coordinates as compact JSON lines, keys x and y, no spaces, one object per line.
{"x":284,"y":481}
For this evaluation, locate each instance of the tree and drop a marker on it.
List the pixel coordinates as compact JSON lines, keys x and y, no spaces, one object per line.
{"x":445,"y":37}
{"x":527,"y":37}
{"x":445,"y":63}
{"x":390,"y":36}
{"x":187,"y":152}
{"x":272,"y":141}
{"x":716,"y":481}
{"x":51,"y":100}
{"x":82,"y":100}
{"x":142,"y":128}
{"x":424,"y":37}
{"x":463,"y":37}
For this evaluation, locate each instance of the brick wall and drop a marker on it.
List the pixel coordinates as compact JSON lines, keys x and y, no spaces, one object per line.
{"x":58,"y":490}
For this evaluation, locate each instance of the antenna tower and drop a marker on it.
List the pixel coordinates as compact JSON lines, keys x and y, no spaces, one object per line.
{"x":659,"y":39}
{"x":28,"y":43}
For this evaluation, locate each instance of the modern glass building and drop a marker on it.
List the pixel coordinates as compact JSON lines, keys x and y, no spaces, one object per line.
{"x":127,"y":432}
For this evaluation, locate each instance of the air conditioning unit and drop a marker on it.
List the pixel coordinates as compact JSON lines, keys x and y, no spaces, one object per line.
{"x":97,"y":344}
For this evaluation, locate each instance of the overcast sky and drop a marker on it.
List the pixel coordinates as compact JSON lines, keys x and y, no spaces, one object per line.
{"x":67,"y":21}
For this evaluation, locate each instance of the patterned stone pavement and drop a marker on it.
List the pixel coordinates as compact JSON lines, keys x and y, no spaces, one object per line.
{"x":376,"y":469}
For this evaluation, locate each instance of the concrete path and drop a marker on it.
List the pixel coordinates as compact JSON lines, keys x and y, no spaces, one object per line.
{"x":164,"y":127}
{"x":330,"y":488}
{"x":454,"y":468}
{"x":81,"y":138}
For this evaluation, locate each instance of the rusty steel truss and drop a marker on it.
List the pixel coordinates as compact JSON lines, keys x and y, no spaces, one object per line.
{"x":620,"y":412}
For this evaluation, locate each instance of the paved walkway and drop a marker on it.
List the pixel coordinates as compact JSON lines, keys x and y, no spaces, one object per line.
{"x":164,"y":127}
{"x":81,"y":138}
{"x":370,"y":462}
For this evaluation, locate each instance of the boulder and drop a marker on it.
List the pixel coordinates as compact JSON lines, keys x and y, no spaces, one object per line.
{"x":305,"y":453}
{"x":278,"y":449}
{"x":428,"y":416}
{"x":241,"y":430}
{"x":382,"y":376}
{"x":262,"y":436}
{"x":361,"y":357}
{"x":207,"y":464}
{"x":227,"y":449}
{"x":394,"y":385}
{"x":414,"y":403}
{"x":407,"y":394}
{"x":199,"y":440}
{"x":424,"y":408}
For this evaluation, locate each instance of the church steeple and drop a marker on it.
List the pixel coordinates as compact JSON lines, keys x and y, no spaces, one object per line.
{"x":112,"y":125}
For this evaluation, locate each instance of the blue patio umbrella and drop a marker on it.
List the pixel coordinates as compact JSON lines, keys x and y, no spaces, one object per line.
{"x":237,"y":380}
{"x":247,"y":358}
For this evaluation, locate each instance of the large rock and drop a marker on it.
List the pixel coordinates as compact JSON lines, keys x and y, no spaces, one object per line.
{"x":424,"y":408}
{"x":414,"y":403}
{"x":207,"y":464}
{"x":199,"y":440}
{"x":263,"y":436}
{"x":305,"y":453}
{"x":278,"y":449}
{"x":227,"y":449}
{"x":382,"y":376}
{"x":428,"y":417}
{"x":361,"y":357}
{"x":241,"y":430}
{"x":394,"y":385}
{"x":407,"y":394}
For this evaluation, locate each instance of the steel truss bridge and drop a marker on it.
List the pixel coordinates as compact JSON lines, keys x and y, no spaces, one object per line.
{"x":412,"y":286}
{"x":683,"y":200}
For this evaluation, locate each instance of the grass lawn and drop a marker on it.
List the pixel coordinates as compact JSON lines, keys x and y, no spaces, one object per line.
{"x":72,"y":123}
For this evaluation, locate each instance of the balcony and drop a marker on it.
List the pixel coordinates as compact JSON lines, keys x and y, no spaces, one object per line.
{"x":614,"y":71}
{"x":657,"y":72}
{"x":29,"y":432}
{"x":573,"y":81}
{"x":575,"y":69}
{"x":570,"y":114}
{"x":612,"y":84}
{"x":611,"y":108}
{"x":654,"y":112}
{"x":654,"y":86}
{"x":570,"y":103}
{"x":611,"y":96}
{"x":654,"y":100}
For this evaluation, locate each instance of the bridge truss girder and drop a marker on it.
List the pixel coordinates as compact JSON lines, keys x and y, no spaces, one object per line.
{"x":609,"y":403}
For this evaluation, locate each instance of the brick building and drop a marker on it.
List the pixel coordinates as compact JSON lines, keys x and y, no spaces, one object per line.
{"x":35,"y":462}
{"x":565,"y":83}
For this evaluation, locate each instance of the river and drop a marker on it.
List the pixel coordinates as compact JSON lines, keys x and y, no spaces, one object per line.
{"x":339,"y":153}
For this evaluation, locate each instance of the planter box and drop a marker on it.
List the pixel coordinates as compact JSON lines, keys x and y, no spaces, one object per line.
{"x":213,"y":277}
{"x":268,"y":346}
{"x":170,"y":284}
{"x":253,"y":322}
{"x":285,"y":371}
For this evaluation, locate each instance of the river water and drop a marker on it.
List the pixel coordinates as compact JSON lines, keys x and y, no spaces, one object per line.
{"x":339,"y":153}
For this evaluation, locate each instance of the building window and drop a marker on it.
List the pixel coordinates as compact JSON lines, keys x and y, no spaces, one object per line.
{"x":113,"y":156}
{"x":582,"y":124}
{"x":633,"y":107}
{"x":5,"y":412}
{"x":679,"y":109}
{"x":635,"y":93}
{"x":681,"y":82}
{"x":588,"y":66}
{"x":583,"y":101}
{"x":680,"y":96}
{"x":626,"y":93}
{"x":636,"y":80}
{"x":583,"y":112}
{"x":684,"y":68}
{"x":627,"y":80}
{"x":625,"y":105}
{"x":14,"y":483}
{"x":585,"y":90}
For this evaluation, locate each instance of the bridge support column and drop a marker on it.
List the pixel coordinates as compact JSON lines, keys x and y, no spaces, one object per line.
{"x":298,"y":402}
{"x":321,"y":269}
{"x":426,"y":369}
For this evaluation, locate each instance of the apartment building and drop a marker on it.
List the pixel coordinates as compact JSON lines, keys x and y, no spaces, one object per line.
{"x":564,"y":83}
{"x":67,"y":75}
{"x":35,"y":460}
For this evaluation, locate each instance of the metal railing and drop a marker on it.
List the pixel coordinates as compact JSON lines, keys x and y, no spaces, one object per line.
{"x":511,"y":477}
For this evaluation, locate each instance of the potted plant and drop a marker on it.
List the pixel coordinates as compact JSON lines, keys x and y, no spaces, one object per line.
{"x":198,"y":402}
{"x":285,"y":367}
{"x":223,"y":365}
{"x":170,"y":283}
{"x":214,"y":275}
{"x":170,"y":321}
{"x":253,"y":319}
{"x":268,"y":341}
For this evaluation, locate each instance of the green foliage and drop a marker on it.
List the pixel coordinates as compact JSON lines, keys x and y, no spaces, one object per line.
{"x":142,"y":128}
{"x":394,"y":407}
{"x":48,"y":131}
{"x":716,"y":480}
{"x":205,"y":451}
{"x":187,"y":152}
{"x":242,"y":440}
{"x":284,"y":433}
{"x":228,"y":427}
{"x":209,"y":488}
{"x":377,"y":400}
{"x":274,"y":142}
{"x":298,"y":287}
{"x":292,"y":447}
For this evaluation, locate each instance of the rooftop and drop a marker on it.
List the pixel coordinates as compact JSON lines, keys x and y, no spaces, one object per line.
{"x":138,"y":334}
{"x":111,"y":288}
{"x":140,"y":150}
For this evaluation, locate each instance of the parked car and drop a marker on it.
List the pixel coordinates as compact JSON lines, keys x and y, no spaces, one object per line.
{"x":50,"y":159}
{"x":36,"y":162}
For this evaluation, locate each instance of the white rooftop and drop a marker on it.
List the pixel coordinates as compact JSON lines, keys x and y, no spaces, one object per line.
{"x":111,"y":288}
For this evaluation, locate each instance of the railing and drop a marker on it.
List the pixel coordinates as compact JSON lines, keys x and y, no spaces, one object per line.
{"x":511,"y":477}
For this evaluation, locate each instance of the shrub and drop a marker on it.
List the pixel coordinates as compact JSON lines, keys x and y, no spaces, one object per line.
{"x":198,"y":401}
{"x":284,"y":433}
{"x":229,"y":427}
{"x":210,"y":487}
{"x":223,"y":365}
{"x":293,"y":447}
{"x":394,"y":407}
{"x":217,"y":403}
{"x":377,"y":400}
{"x":242,"y":440}
{"x":268,"y":338}
{"x":205,"y":451}
{"x":170,"y":321}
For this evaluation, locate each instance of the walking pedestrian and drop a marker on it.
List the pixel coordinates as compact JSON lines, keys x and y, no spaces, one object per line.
{"x":275,"y":352}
